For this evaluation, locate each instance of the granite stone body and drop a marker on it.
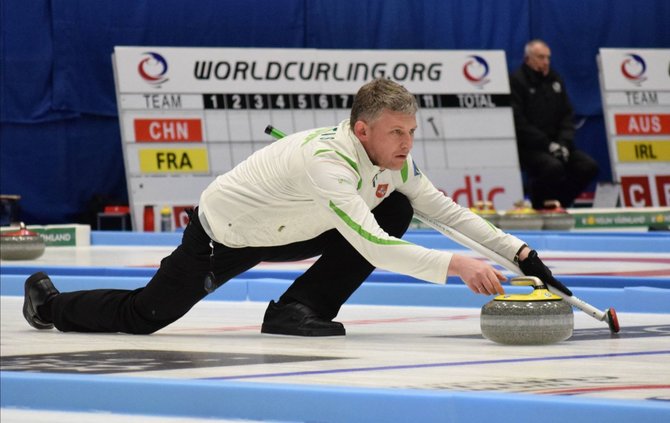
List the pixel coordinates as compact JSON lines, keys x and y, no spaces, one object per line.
{"x":21,"y":245}
{"x":531,"y":322}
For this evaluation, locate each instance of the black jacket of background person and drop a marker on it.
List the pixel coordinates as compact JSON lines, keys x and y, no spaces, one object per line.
{"x":542,"y":110}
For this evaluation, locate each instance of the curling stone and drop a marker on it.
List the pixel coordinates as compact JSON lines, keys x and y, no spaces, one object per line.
{"x":527,"y":319}
{"x":21,"y":245}
{"x":556,"y":217}
{"x":522,"y":216}
{"x":486,"y":210}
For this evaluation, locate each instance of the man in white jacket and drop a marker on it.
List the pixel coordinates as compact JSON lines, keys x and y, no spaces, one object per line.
{"x":346,"y":193}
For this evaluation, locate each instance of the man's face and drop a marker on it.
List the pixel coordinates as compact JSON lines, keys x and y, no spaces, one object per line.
{"x":539,"y":58}
{"x":388,"y":139}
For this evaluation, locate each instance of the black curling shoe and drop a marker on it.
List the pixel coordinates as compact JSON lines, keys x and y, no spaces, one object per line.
{"x":298,"y":320}
{"x":38,"y":289}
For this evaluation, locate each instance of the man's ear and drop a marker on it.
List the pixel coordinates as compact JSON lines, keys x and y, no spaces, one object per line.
{"x":360,"y":130}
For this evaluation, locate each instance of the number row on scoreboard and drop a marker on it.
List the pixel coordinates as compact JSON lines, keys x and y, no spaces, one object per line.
{"x":277,"y":101}
{"x":344,"y":101}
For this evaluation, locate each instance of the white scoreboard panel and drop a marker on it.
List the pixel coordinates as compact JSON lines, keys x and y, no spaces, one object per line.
{"x":635,"y":88}
{"x":190,"y":114}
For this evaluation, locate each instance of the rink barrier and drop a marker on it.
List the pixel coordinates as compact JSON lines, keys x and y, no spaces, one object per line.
{"x":638,"y":299}
{"x":631,"y":242}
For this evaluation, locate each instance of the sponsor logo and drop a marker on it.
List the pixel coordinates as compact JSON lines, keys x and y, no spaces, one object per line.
{"x":476,"y":71}
{"x":153,"y":68}
{"x":633,"y":69}
{"x":133,"y":360}
{"x":474,"y":191}
{"x":314,"y":71}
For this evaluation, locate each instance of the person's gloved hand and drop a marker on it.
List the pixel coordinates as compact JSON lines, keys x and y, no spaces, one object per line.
{"x":558,"y":151}
{"x":533,"y":266}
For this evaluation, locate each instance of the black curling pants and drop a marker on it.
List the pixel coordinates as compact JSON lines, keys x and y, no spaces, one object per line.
{"x":179,"y":282}
{"x":553,"y":179}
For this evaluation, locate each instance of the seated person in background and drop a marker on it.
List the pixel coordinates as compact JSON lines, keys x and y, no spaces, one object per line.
{"x":543,"y":118}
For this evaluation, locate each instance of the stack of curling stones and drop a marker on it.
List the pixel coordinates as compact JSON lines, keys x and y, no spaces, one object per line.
{"x":556,"y":217}
{"x":522,"y":216}
{"x":21,"y":244}
{"x":537,"y":318}
{"x":487,"y":211}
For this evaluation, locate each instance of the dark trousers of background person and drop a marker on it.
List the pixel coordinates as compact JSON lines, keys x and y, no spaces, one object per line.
{"x":552,"y":179}
{"x":179,"y":282}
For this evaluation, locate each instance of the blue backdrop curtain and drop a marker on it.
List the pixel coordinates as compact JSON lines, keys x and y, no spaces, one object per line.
{"x":60,"y":140}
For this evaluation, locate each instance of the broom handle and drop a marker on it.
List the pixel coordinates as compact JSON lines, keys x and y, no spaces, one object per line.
{"x":511,"y":266}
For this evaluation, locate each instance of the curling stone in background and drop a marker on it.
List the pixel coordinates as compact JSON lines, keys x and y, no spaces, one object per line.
{"x":21,"y":244}
{"x":521,"y":217}
{"x":527,"y":319}
{"x":486,"y":210}
{"x":556,"y":217}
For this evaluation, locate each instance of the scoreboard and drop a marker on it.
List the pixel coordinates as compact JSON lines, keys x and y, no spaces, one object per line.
{"x":635,"y":88}
{"x":190,"y":114}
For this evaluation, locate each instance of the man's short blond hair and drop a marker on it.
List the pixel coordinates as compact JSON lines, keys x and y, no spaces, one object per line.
{"x":379,"y":95}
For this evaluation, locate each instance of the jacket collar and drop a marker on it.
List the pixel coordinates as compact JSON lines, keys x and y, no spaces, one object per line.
{"x":536,"y":77}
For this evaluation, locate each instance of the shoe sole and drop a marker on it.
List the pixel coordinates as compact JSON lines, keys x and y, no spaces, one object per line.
{"x":274,"y":330}
{"x":29,"y":311}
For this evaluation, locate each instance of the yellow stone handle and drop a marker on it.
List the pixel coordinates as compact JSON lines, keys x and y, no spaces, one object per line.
{"x":527,"y":281}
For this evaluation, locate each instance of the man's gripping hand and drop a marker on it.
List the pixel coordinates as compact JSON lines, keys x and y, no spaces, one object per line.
{"x":533,"y":266}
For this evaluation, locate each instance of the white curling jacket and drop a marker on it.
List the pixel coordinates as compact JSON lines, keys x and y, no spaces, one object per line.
{"x":310,"y":182}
